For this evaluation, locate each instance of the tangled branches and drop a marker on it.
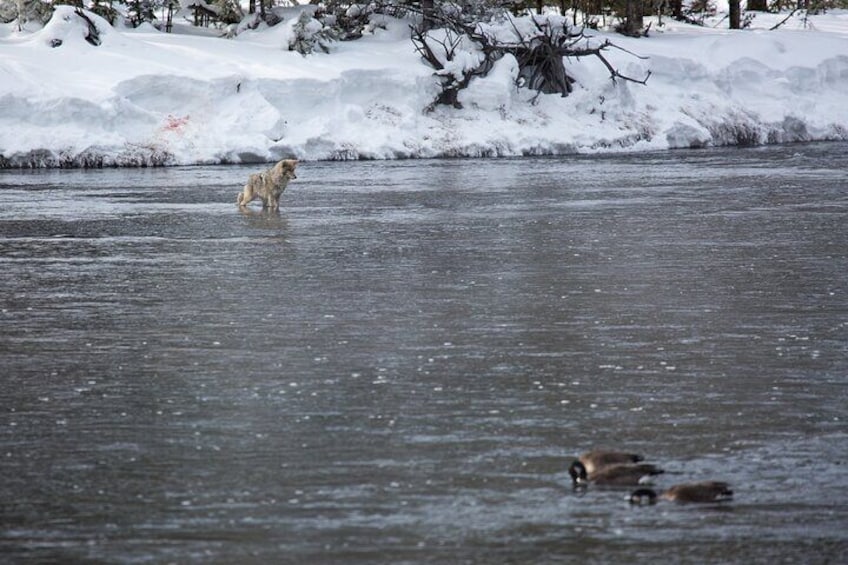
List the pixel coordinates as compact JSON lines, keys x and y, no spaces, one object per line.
{"x":540,"y":44}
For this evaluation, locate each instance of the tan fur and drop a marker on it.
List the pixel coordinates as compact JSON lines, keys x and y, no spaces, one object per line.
{"x":268,"y":185}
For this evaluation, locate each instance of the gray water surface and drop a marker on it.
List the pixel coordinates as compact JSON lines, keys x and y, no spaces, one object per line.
{"x":400,"y":366}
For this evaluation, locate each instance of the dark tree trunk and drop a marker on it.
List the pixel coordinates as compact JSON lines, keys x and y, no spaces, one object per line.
{"x":735,"y":14}
{"x":428,"y":7}
{"x":676,"y":9}
{"x":633,"y":17}
{"x":757,"y":5}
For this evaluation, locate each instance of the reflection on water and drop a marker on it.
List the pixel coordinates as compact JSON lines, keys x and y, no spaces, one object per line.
{"x":401,"y":364}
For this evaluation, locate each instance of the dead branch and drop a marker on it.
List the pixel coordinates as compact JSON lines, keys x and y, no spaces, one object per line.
{"x":784,"y":20}
{"x":540,"y":56}
{"x":451,"y":85}
{"x":93,"y":35}
{"x":598,"y":52}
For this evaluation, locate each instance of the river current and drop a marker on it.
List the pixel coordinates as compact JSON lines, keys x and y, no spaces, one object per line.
{"x":400,"y":365}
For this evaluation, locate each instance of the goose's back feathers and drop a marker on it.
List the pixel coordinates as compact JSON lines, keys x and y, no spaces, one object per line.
{"x":597,"y":458}
{"x":624,"y":474}
{"x":707,"y":491}
{"x":629,"y":474}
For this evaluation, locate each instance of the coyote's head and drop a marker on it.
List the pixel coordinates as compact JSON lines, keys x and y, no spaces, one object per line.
{"x":285,"y":169}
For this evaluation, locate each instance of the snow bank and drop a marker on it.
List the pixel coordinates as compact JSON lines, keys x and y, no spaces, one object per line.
{"x":148,"y":98}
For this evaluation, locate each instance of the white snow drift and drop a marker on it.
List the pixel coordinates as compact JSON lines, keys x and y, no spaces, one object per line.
{"x":143,"y":97}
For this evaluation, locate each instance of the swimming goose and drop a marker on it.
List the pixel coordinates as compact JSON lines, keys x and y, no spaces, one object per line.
{"x":624,"y":474}
{"x":597,"y":458}
{"x":706,"y":491}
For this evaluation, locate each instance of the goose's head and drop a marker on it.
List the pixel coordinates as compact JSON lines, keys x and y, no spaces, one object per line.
{"x":578,"y":473}
{"x":643,"y":496}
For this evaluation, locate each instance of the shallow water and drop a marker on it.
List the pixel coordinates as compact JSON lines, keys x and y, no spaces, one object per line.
{"x":401,"y":364}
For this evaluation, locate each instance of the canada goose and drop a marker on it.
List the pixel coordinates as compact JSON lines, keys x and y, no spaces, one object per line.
{"x":625,"y":474}
{"x":597,"y":458}
{"x":707,"y":491}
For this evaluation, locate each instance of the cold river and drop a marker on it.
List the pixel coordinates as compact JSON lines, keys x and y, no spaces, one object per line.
{"x":400,"y":365}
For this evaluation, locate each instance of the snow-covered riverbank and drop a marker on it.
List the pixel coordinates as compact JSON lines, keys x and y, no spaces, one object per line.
{"x":146,"y":97}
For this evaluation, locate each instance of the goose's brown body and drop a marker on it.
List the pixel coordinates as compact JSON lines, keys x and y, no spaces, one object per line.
{"x":598,"y":458}
{"x":706,"y":491}
{"x":626,"y":474}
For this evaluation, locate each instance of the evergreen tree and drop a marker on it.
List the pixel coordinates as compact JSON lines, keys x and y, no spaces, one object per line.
{"x":140,"y":11}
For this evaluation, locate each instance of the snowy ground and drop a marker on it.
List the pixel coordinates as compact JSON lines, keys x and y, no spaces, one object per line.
{"x":146,"y":97}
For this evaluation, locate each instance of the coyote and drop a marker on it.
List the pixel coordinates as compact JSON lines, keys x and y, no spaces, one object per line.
{"x":268,"y":185}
